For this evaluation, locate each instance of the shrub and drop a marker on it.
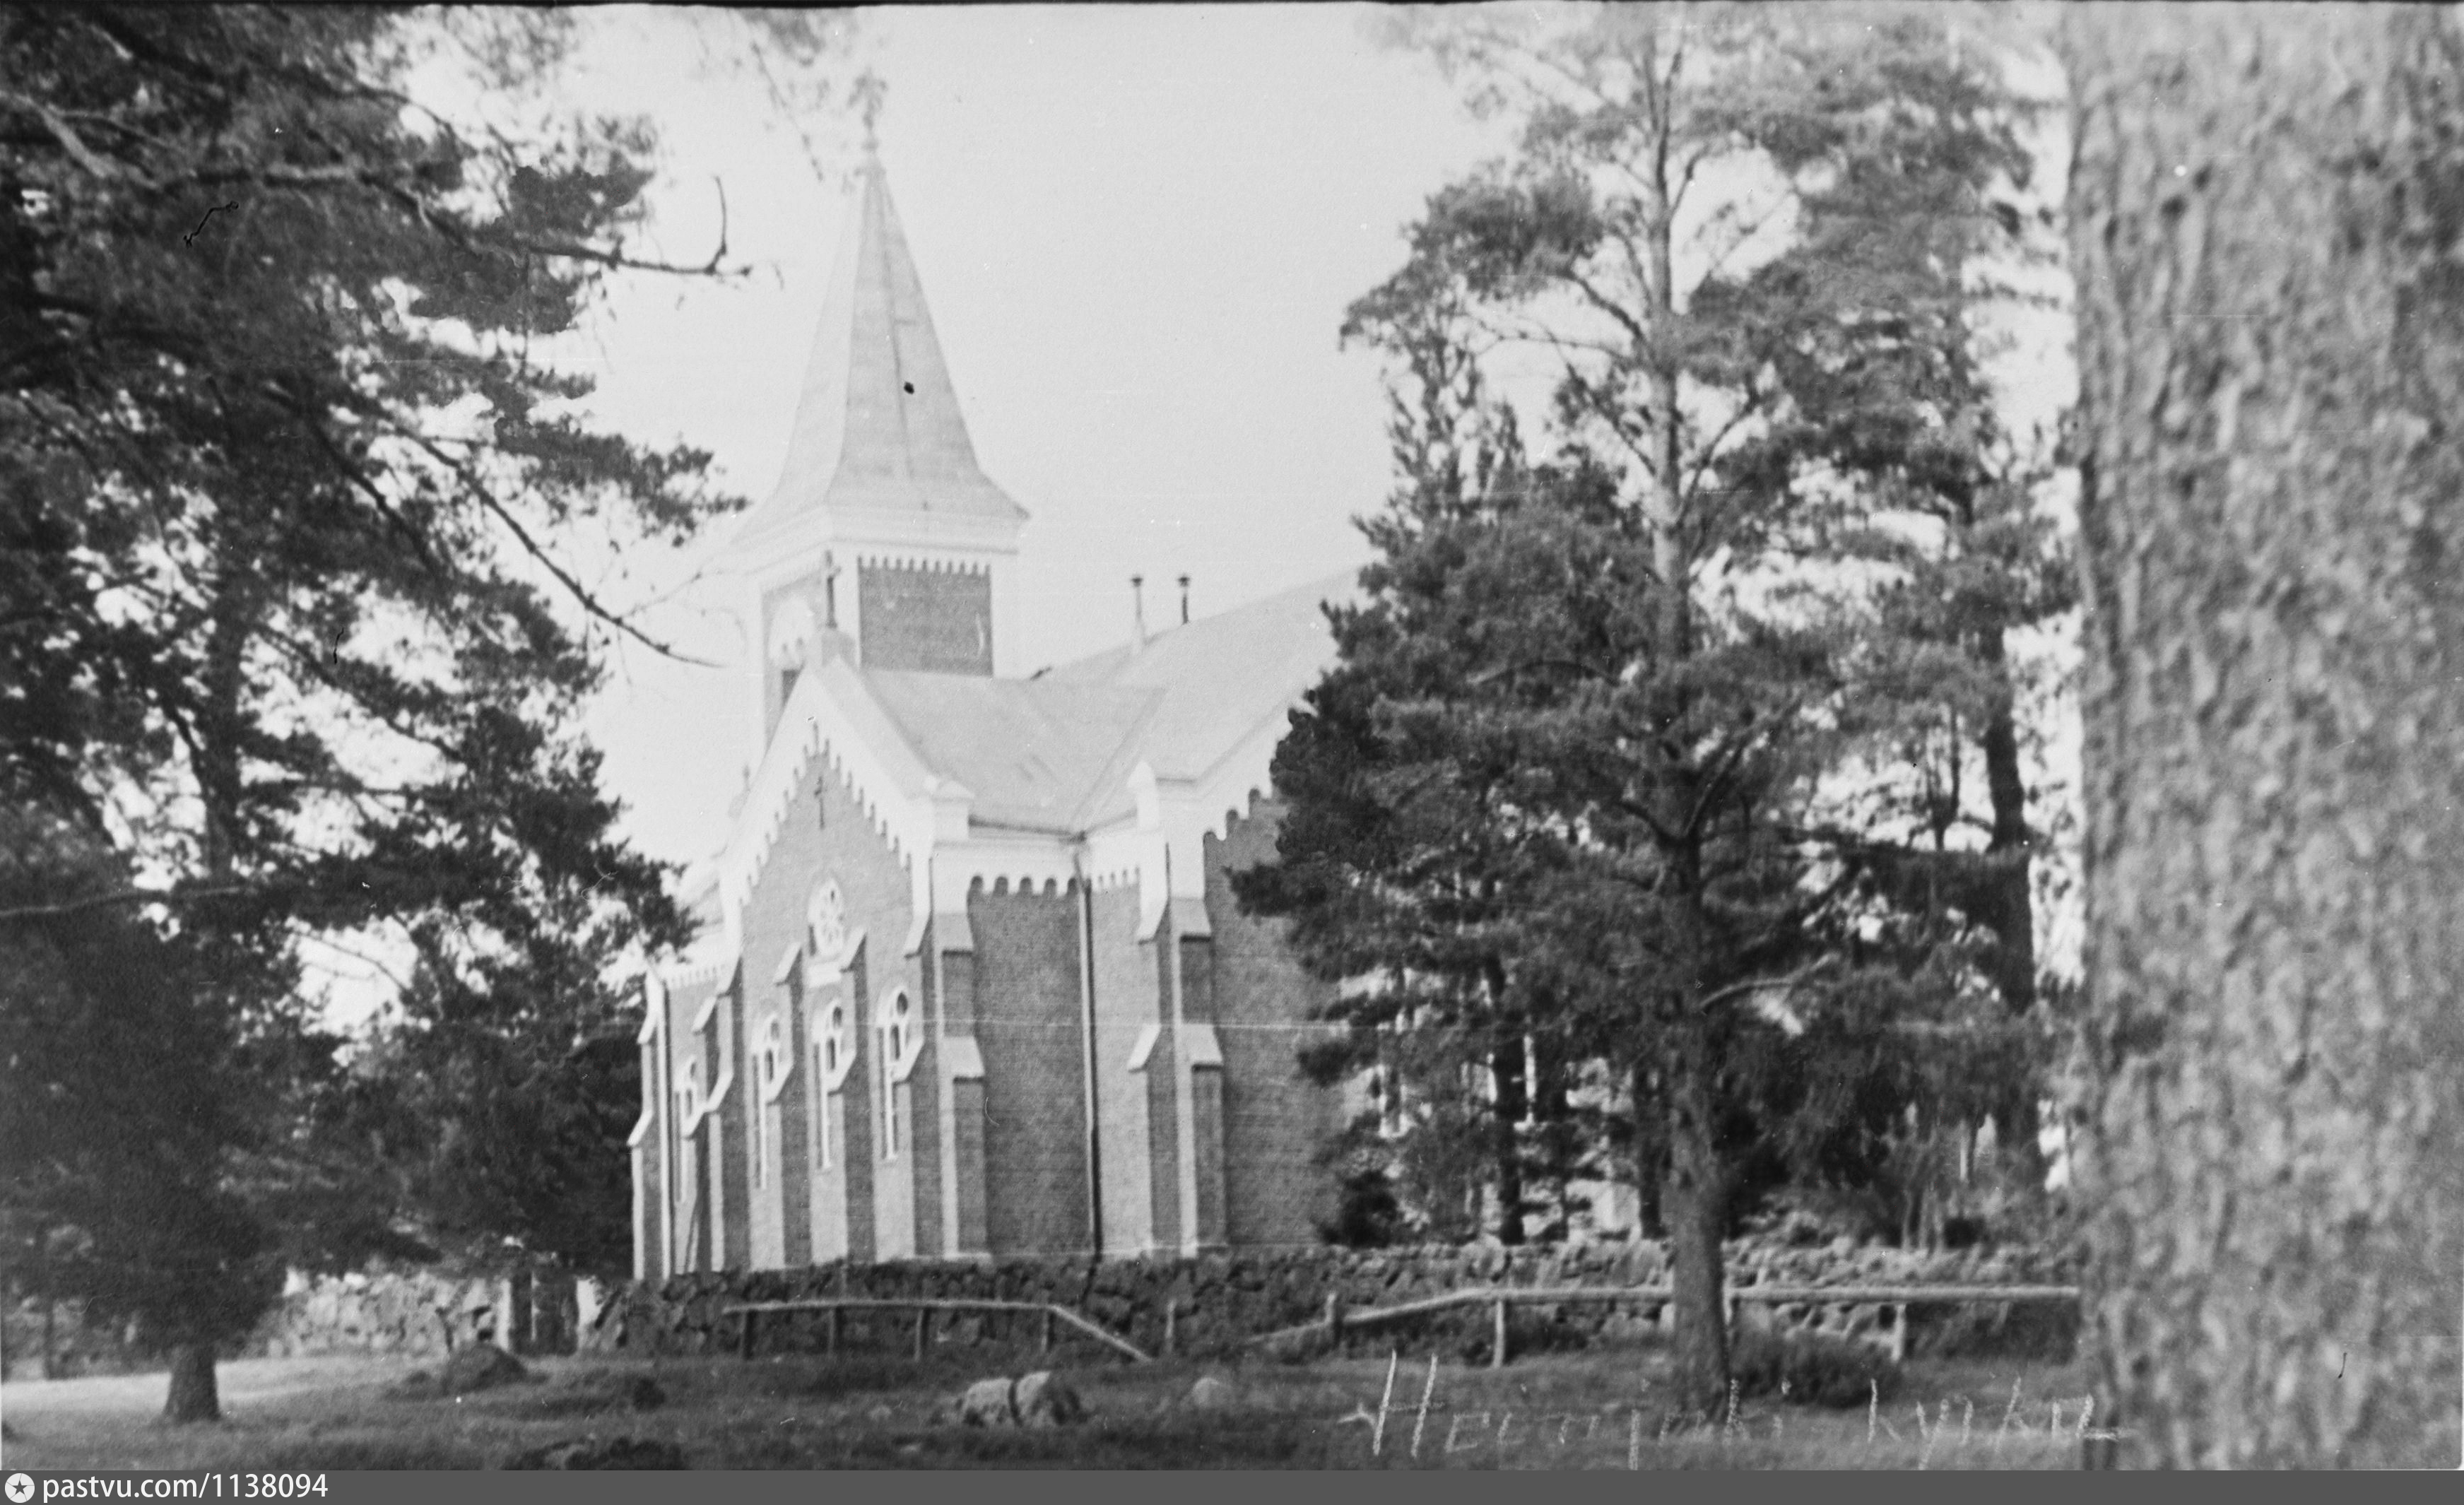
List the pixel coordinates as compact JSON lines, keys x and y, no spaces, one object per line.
{"x":2038,"y":1330}
{"x":1815,"y":1370}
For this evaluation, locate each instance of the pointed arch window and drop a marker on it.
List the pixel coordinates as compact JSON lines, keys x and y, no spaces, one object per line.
{"x":688,"y":1097}
{"x":772,"y":1064}
{"x":833,"y":1054}
{"x":899,"y":1038}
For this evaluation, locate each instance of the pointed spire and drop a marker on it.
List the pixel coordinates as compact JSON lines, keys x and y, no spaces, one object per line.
{"x":868,"y":93}
{"x":878,"y":429}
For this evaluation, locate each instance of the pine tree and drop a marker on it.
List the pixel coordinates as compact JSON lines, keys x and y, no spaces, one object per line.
{"x":284,"y":453}
{"x":1567,"y":763}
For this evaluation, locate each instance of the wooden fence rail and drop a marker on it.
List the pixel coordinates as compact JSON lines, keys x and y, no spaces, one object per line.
{"x":1339,"y":1317}
{"x":924,"y":1308}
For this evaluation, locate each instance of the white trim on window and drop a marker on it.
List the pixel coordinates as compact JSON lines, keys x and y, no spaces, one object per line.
{"x":775,"y":1062}
{"x":821,"y":1157}
{"x":899,"y":1028}
{"x":837,"y":1043}
{"x":902,"y":1034}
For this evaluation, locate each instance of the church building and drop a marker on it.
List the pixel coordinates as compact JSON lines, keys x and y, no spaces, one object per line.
{"x":972,"y":980}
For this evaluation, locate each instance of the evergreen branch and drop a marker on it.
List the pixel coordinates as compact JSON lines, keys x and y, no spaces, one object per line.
{"x":1764,"y":985}
{"x":581,"y":594}
{"x":1634,"y":327}
{"x":1708,"y":451}
{"x":1500,"y":672}
{"x":360,"y":481}
{"x":58,"y":128}
{"x":130,"y":896}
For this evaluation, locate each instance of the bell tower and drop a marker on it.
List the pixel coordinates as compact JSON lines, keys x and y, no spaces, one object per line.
{"x":884,"y":540}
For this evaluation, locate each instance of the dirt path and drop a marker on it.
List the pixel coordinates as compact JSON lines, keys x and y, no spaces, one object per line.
{"x":241,"y":1382}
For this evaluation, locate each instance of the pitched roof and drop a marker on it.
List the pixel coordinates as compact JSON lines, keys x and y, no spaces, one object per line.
{"x":1054,"y":754}
{"x":878,"y":429}
{"x":1027,"y":749}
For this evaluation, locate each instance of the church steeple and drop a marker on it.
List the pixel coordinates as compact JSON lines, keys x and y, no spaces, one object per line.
{"x":881,"y":484}
{"x":879,"y":428}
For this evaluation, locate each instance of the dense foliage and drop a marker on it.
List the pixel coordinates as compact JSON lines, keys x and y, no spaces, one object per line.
{"x":1614,"y":774}
{"x":285,"y":450}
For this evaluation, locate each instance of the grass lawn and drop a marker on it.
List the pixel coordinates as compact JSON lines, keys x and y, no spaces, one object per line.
{"x":1583,"y":1410}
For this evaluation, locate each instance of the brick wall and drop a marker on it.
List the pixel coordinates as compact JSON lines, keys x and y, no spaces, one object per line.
{"x":940,"y":620}
{"x":860,"y":1205}
{"x":1029,"y":1031}
{"x":731,"y":1212}
{"x":1274,"y":1120}
{"x":1125,"y":1001}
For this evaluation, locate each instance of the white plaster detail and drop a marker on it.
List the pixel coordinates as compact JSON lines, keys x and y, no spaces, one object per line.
{"x":655,"y":1008}
{"x":791,"y":632}
{"x":1148,"y":1035}
{"x":836,"y":1038}
{"x":824,"y":970}
{"x":961,"y":1059}
{"x":829,"y":716}
{"x":693,"y":972}
{"x":1201,"y":1045}
{"x":902,"y":1031}
{"x":776,"y":1061}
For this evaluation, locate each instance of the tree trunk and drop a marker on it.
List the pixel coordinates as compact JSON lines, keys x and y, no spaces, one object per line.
{"x":1696,"y":1204}
{"x":193,"y":1397}
{"x":2011,"y":912}
{"x":1506,"y":1068}
{"x":1650,"y":1156}
{"x":1698,"y":1217}
{"x":2264,"y":206}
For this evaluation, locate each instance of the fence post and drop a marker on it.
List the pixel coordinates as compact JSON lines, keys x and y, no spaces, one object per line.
{"x":1497,"y":1349}
{"x":1046,"y":1346}
{"x":1171,"y":1309}
{"x":923,"y":1330}
{"x":830,"y":1332}
{"x":1334,"y":1321}
{"x":751,"y":1316}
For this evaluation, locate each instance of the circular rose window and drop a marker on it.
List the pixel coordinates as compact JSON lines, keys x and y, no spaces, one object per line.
{"x":825,"y":925}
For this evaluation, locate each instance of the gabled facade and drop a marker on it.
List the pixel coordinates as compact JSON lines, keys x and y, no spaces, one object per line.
{"x":972,"y":981}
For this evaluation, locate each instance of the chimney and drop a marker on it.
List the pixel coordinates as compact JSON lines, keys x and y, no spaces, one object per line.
{"x":1184,"y":600}
{"x":1138,"y":604}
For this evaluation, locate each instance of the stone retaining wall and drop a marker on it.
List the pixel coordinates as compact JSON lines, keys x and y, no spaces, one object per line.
{"x":1220,"y":1301}
{"x":421,"y":1312}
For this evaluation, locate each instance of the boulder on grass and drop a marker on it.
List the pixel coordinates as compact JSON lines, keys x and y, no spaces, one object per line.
{"x":1039,"y":1401}
{"x":590,"y":1453}
{"x":1210,"y":1394}
{"x":417,"y":1386}
{"x":1044,"y":1400}
{"x":480,"y":1367}
{"x":988,"y":1403}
